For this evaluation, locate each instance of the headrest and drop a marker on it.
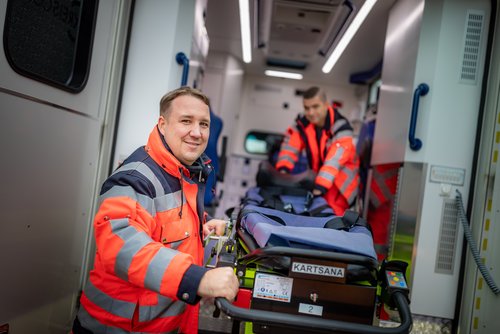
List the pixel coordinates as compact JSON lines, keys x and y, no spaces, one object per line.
{"x":270,"y":176}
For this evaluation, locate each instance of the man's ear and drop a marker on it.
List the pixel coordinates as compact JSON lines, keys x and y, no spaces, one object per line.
{"x":161,"y":124}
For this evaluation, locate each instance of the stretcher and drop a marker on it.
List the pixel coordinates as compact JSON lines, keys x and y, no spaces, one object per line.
{"x":304,"y":269}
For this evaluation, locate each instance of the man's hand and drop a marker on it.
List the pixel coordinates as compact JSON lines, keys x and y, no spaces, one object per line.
{"x":219,"y":282}
{"x":214,"y":225}
{"x":316,"y":192}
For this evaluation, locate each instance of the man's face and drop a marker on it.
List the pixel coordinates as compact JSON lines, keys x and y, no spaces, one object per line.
{"x":315,"y":110}
{"x":186,"y":128}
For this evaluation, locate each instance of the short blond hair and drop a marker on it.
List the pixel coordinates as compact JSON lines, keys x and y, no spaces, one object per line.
{"x":166,"y":100}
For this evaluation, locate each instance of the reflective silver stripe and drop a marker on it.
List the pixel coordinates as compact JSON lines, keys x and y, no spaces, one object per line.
{"x":175,"y":245}
{"x":391,"y":172}
{"x":117,"y":307}
{"x":290,"y":148}
{"x":338,"y":124}
{"x":380,"y":178}
{"x":286,"y":158}
{"x":374,"y":200}
{"x":351,"y":176}
{"x":147,"y":172}
{"x":126,"y":191}
{"x":352,"y":197}
{"x":334,"y":161}
{"x":165,"y":308}
{"x":326,"y":175}
{"x":156,"y":268}
{"x":88,"y":322}
{"x":118,"y":224}
{"x":169,"y":201}
{"x":134,"y":241}
{"x":343,"y":133}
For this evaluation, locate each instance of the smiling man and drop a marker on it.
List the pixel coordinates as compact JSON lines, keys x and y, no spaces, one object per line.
{"x":148,"y":275}
{"x":327,"y":138}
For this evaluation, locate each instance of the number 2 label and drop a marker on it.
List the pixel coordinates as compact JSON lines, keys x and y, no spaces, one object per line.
{"x":311,"y":309}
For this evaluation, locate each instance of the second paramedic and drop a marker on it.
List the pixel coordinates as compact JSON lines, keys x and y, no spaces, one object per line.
{"x":327,"y":138}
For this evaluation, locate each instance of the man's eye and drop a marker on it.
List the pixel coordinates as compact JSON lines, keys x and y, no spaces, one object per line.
{"x":185,"y":121}
{"x":204,"y":125}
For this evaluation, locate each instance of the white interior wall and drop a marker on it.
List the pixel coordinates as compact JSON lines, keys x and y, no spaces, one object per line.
{"x":160,"y":30}
{"x":223,"y":84}
{"x":264,"y":99}
{"x":259,"y":103}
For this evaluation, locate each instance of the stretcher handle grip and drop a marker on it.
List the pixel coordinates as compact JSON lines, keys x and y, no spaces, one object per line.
{"x":279,"y":251}
{"x":318,"y":324}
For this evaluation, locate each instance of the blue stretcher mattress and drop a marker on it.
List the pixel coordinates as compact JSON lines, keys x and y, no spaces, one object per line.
{"x":270,"y":227}
{"x":297,"y":203}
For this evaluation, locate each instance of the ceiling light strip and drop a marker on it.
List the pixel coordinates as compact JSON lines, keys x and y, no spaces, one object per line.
{"x":246,"y":45}
{"x":348,"y":35}
{"x":286,"y":75}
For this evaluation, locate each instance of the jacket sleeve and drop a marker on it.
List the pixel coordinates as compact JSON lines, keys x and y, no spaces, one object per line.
{"x":124,"y":227}
{"x":290,"y":150}
{"x":340,"y":153}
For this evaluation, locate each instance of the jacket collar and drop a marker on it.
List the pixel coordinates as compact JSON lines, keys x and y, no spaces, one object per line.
{"x":158,"y":149}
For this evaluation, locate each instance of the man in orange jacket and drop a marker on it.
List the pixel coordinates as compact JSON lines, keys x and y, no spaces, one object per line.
{"x":327,"y":138}
{"x":148,"y":275}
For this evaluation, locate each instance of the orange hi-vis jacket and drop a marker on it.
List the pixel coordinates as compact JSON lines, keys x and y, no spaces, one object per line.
{"x":331,"y":153}
{"x":149,"y":252}
{"x":381,"y":193}
{"x":383,"y":185}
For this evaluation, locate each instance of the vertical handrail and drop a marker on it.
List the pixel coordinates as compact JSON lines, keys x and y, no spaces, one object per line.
{"x":421,"y":90}
{"x":182,"y":59}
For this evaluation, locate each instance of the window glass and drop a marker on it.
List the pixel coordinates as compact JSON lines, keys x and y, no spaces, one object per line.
{"x":374,"y":92}
{"x":50,"y":40}
{"x":258,"y":142}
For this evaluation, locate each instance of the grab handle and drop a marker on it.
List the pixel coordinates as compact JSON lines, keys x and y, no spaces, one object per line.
{"x":318,"y":324}
{"x":421,"y":90}
{"x":182,"y":59}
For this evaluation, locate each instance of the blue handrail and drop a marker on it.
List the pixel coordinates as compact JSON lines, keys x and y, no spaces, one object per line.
{"x":421,"y":90}
{"x":182,"y":59}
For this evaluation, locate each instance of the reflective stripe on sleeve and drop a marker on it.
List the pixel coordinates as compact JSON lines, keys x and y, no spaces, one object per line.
{"x":133,"y":242}
{"x":334,"y":161}
{"x":126,"y":191}
{"x":157,"y":267}
{"x":147,"y":172}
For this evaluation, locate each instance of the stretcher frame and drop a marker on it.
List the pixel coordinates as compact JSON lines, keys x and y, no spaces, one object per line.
{"x":239,"y":242}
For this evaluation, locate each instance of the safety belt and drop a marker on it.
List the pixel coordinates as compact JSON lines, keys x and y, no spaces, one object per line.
{"x":347,"y":221}
{"x":272,"y":199}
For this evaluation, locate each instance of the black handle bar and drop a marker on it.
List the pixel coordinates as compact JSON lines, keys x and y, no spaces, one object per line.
{"x":318,"y":324}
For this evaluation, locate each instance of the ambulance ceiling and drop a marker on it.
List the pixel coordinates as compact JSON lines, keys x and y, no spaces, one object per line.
{"x":297,"y":35}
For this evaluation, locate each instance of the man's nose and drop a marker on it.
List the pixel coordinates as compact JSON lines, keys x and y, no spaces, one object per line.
{"x":196,"y":131}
